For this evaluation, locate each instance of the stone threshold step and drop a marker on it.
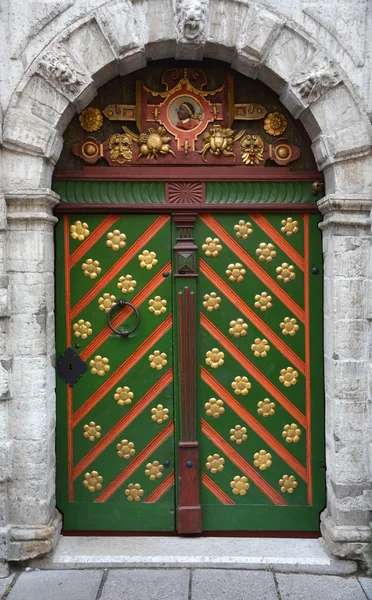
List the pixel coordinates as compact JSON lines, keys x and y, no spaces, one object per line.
{"x":282,"y":555}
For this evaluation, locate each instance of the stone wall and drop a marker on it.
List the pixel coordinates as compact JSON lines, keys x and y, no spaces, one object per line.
{"x":317,"y":55}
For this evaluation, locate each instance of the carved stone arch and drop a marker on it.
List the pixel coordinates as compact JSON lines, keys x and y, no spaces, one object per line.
{"x":63,"y":78}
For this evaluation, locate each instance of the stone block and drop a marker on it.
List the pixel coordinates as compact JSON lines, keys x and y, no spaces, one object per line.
{"x":120,"y":28}
{"x":92,"y":49}
{"x":289,"y":53}
{"x":31,"y":458}
{"x":25,"y":132}
{"x":212,"y":584}
{"x":307,"y":587}
{"x":82,"y":585}
{"x":4,"y":380}
{"x":5,"y":461}
{"x":30,"y":251}
{"x":260,"y":29}
{"x":46,"y":103}
{"x":32,"y":502}
{"x":366,"y":583}
{"x":350,"y":379}
{"x":351,"y":256}
{"x":28,"y":335}
{"x":350,"y":462}
{"x":349,"y":340}
{"x":353,"y":176}
{"x":144,"y":584}
{"x":29,"y":375}
{"x":350,"y":298}
{"x":335,"y":109}
{"x":226,"y":19}
{"x":32,"y":171}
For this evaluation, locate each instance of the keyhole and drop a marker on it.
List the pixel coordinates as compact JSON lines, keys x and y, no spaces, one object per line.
{"x":70,"y":367}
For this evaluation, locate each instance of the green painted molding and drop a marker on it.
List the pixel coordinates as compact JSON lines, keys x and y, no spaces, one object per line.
{"x":110,"y":192}
{"x":258,"y":192}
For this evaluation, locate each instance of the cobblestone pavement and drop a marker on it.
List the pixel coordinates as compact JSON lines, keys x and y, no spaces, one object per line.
{"x":180,"y":584}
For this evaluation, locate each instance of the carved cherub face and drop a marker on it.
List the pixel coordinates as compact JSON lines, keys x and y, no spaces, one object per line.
{"x":121,"y":146}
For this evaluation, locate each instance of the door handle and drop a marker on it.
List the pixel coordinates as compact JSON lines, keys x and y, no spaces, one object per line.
{"x":123,"y":304}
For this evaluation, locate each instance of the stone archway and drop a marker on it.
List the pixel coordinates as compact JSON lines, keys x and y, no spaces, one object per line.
{"x":115,"y":39}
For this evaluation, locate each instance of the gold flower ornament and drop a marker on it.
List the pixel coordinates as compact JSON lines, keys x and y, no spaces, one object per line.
{"x":286,"y":273}
{"x":238,"y":434}
{"x":260,"y":347}
{"x":289,"y":226}
{"x":125,"y":449}
{"x":263,"y":301}
{"x":116,"y":240}
{"x":215,"y":463}
{"x":91,"y":268}
{"x":288,"y":376}
{"x":239,"y":486}
{"x":159,"y":414}
{"x":154,"y":470}
{"x":99,"y":365}
{"x":262,"y":460}
{"x":235,"y":272}
{"x":266,"y":408}
{"x":275,"y":123}
{"x":211,"y":301}
{"x":106,"y":302}
{"x":238,"y":328}
{"x":93,"y":481}
{"x":243,"y":229}
{"x":123,"y":395}
{"x":266,"y":252}
{"x":92,"y":431}
{"x":79,"y":231}
{"x":289,"y":326}
{"x":291,"y":433}
{"x":147,"y":259}
{"x":241,"y":385}
{"x":157,"y":306}
{"x":214,"y":408}
{"x":82,"y":329}
{"x":212,"y":247}
{"x":126,"y":284}
{"x":214,"y":358}
{"x":134,"y":492}
{"x":158,"y":360}
{"x":91,"y":119}
{"x":288,"y":484}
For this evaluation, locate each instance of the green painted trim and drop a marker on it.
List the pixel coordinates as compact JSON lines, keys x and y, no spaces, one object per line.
{"x":110,"y":192}
{"x":258,"y":192}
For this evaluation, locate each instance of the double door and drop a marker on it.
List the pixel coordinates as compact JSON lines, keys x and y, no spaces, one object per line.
{"x":189,"y":387}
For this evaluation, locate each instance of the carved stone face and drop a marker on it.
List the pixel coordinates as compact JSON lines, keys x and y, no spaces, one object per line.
{"x":192,"y":20}
{"x":120,"y":146}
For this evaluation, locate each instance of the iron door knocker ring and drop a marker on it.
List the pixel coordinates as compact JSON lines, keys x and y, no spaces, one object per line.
{"x":123,"y":332}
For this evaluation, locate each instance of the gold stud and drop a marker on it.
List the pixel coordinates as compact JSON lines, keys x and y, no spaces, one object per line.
{"x":106,"y":302}
{"x":290,"y":227}
{"x":125,"y":449}
{"x":243,"y":229}
{"x":147,"y":260}
{"x":214,"y":408}
{"x":262,"y":460}
{"x":291,"y":433}
{"x":214,"y":358}
{"x":158,"y":360}
{"x":238,"y":328}
{"x":159,"y":414}
{"x":99,"y":365}
{"x":93,"y":481}
{"x":241,"y":385}
{"x":266,"y":252}
{"x":92,"y":431}
{"x":288,"y":376}
{"x":285,"y":273}
{"x":239,"y":486}
{"x":134,"y":492}
{"x":154,"y":470}
{"x":123,"y":395}
{"x":211,"y":301}
{"x":263,"y":301}
{"x":289,"y":326}
{"x":288,"y":484}
{"x":82,"y":329}
{"x":235,"y":272}
{"x":157,"y":306}
{"x":91,"y":268}
{"x":79,"y":231}
{"x":126,"y":284}
{"x":212,"y":247}
{"x":238,"y":434}
{"x":215,"y":464}
{"x":266,"y":408}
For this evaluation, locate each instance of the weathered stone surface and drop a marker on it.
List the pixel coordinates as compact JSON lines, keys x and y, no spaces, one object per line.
{"x":308,"y":587}
{"x":60,"y":584}
{"x":208,"y":585}
{"x":141,"y":583}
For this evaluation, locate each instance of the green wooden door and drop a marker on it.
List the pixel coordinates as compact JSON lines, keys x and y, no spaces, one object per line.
{"x":247,"y":288}
{"x":260,"y":391}
{"x":115,"y":429}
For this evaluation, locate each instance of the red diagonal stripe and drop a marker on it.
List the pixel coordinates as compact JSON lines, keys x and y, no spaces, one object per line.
{"x":135,"y":463}
{"x":122,"y":370}
{"x":139,"y":406}
{"x":280,"y":241}
{"x":122,"y":316}
{"x":251,"y":315}
{"x":161,"y":489}
{"x":216,"y":491}
{"x":253,"y":423}
{"x":92,"y":238}
{"x":253,"y":266}
{"x":252,"y":369}
{"x":136,"y":247}
{"x":242,"y":464}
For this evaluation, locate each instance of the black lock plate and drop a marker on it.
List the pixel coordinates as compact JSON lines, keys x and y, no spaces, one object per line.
{"x":70,"y":366}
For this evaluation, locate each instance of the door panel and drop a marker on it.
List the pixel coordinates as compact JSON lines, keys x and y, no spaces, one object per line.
{"x":115,"y":437}
{"x":260,"y":360}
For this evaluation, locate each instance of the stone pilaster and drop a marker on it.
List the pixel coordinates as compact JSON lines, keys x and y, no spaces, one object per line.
{"x":346,"y":244}
{"x":33,"y":523}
